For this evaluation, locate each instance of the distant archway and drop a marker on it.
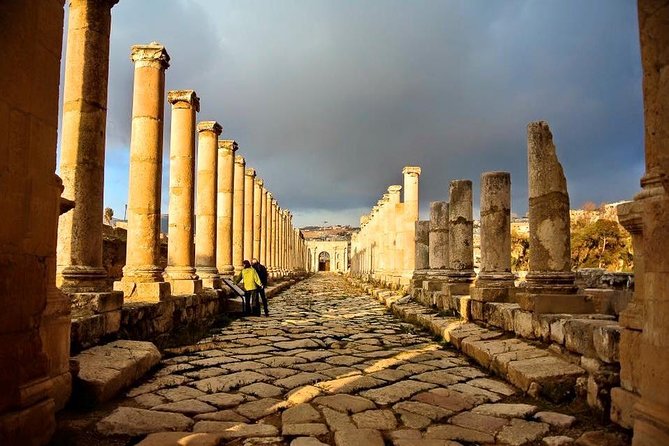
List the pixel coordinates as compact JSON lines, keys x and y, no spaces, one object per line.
{"x":324,"y":261}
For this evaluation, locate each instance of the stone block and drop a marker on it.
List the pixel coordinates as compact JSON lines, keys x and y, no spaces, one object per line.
{"x":555,"y":303}
{"x":460,"y":289}
{"x":630,"y":373}
{"x":143,"y":291}
{"x":579,"y":335}
{"x":97,"y":302}
{"x":555,"y":377}
{"x":622,"y":407}
{"x":486,"y":294}
{"x":500,"y":315}
{"x":607,"y":342}
{"x":523,"y":324}
{"x":476,"y":308}
{"x":185,"y":287}
{"x":112,"y":321}
{"x":557,"y":328}
{"x":106,"y":370}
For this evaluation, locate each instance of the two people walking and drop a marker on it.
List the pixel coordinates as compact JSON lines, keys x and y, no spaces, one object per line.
{"x":254,"y":279}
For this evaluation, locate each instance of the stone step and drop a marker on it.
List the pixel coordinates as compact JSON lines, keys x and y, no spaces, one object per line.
{"x":105,"y":370}
{"x":534,"y":370}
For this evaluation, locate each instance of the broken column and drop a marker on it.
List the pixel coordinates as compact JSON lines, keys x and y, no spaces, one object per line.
{"x":550,"y":281}
{"x":206,"y":204}
{"x":226,"y":172}
{"x":82,"y":157}
{"x":180,"y":271}
{"x":249,"y":188}
{"x":460,"y":238}
{"x":142,"y":274}
{"x":438,"y":247}
{"x":238,"y":213}
{"x":495,"y":279}
{"x":422,"y":254}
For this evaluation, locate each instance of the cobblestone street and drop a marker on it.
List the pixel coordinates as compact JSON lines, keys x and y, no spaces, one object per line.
{"x":329,"y":366}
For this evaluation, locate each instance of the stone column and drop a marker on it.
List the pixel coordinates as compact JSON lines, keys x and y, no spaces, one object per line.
{"x":142,"y":274}
{"x":263,"y":227}
{"x":495,"y":279}
{"x":270,"y":229}
{"x":249,"y":188}
{"x":422,"y":253}
{"x":206,"y":204}
{"x":257,"y":204}
{"x":82,"y":157}
{"x":550,"y":281}
{"x":238,"y":213}
{"x":460,"y":238}
{"x":394,"y":215}
{"x":438,"y":241}
{"x":226,"y":172}
{"x":651,"y":413}
{"x":275,"y":239}
{"x":410,"y":212}
{"x":180,"y":271}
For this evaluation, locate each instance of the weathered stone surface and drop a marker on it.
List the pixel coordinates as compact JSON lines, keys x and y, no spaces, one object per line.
{"x":131,"y":421}
{"x":375,"y":419}
{"x":188,"y":407}
{"x":180,"y":439}
{"x":358,"y":437}
{"x":345,"y":403}
{"x":229,"y":382}
{"x":230,"y":430}
{"x":306,"y":441}
{"x":223,"y":400}
{"x":448,"y":399}
{"x":555,"y":376}
{"x":180,"y":393}
{"x":260,"y":408}
{"x":312,"y":429}
{"x":450,"y":432}
{"x":337,"y":420}
{"x":395,"y":392}
{"x":479,"y":422}
{"x":506,"y":410}
{"x":221,"y":415}
{"x":300,"y":379}
{"x":434,"y":413}
{"x":302,"y":413}
{"x":555,"y":419}
{"x":559,"y":440}
{"x":261,"y":390}
{"x":521,"y":432}
{"x":600,"y":438}
{"x":107,"y":369}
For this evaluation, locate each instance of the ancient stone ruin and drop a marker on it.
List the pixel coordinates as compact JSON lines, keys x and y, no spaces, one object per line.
{"x":336,"y":369}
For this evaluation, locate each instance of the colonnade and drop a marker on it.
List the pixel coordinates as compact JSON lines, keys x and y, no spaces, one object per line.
{"x":211,"y":229}
{"x":384,"y":249}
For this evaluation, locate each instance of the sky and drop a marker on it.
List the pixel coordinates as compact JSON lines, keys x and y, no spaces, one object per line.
{"x":330,"y":99}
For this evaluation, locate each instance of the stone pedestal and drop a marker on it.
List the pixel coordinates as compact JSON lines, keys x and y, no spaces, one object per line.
{"x":238,"y":213}
{"x":142,"y":274}
{"x":460,"y":238}
{"x":180,"y":271}
{"x":206,"y":204}
{"x":225,"y":186}
{"x":495,"y":282}
{"x":550,"y":272}
{"x":82,"y":161}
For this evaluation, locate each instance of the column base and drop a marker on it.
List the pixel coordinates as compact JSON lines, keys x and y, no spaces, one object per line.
{"x":493,"y":294}
{"x":20,"y":426}
{"x":651,"y":424}
{"x":548,"y":302}
{"x":210,"y":277}
{"x":459,"y":282}
{"x":81,"y":279}
{"x":181,"y":287}
{"x":143,"y":291}
{"x":212,"y":282}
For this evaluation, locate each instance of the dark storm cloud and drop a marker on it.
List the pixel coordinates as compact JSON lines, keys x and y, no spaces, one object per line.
{"x":330,"y":99}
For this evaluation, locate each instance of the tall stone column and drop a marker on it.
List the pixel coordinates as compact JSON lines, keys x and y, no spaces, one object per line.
{"x":422,"y":254}
{"x":238,"y":213}
{"x":263,"y":227}
{"x":180,"y":271}
{"x":257,"y":214}
{"x":206,"y":204}
{"x":460,"y":238}
{"x":550,"y":281}
{"x":142,"y":274}
{"x":438,"y":240}
{"x":410,"y":211}
{"x":394,"y":215}
{"x":249,"y":189}
{"x":270,"y":229}
{"x":226,"y":172}
{"x":495,"y":278}
{"x":275,"y":239}
{"x":82,"y":157}
{"x":651,"y":412}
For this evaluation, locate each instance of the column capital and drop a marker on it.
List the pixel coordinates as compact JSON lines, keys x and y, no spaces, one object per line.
{"x":183,"y":99}
{"x":228,"y":144}
{"x":209,"y":126}
{"x":250,"y":172}
{"x":240,"y":160}
{"x":394,"y":189}
{"x":260,"y":182}
{"x":274,"y":201}
{"x":151,"y":54}
{"x":269,"y":195}
{"x":411,"y":170}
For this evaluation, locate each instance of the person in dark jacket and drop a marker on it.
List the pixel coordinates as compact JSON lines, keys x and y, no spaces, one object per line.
{"x":262,"y":273}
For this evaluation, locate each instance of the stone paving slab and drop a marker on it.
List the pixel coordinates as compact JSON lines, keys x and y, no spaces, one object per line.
{"x":331,"y":366}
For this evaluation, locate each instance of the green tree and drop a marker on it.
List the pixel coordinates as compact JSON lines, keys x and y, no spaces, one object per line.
{"x":601,"y":244}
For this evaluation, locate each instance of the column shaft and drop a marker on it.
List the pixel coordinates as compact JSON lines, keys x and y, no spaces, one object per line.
{"x":257,"y":214}
{"x":249,"y":188}
{"x":460,"y":237}
{"x":238,"y":213}
{"x":226,"y":172}
{"x":263,"y":227}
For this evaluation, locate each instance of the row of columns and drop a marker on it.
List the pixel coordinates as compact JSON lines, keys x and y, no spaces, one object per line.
{"x":384,"y":249}
{"x":232,"y":216}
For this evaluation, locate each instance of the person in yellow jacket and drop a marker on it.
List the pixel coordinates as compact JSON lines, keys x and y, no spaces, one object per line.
{"x":251,"y":281}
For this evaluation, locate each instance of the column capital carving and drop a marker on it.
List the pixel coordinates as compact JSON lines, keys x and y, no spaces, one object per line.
{"x":394,"y":189}
{"x":411,"y":170}
{"x":269,"y":195}
{"x":209,"y":126}
{"x":250,"y":172}
{"x":240,"y":160}
{"x":259,"y":182}
{"x":150,"y":54}
{"x":228,"y":144}
{"x":183,"y":99}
